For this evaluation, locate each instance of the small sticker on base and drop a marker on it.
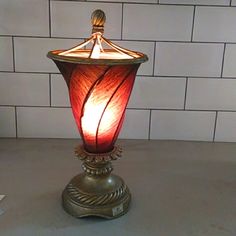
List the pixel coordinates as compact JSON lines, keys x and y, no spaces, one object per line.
{"x":117,"y":210}
{"x":1,"y":197}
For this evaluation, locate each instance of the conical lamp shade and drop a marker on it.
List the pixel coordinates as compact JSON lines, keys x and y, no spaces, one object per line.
{"x":99,"y":95}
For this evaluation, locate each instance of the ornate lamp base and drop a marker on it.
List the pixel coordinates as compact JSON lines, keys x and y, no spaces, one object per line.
{"x":96,"y":192}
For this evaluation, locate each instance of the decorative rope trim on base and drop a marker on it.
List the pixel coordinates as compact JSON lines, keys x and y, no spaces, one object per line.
{"x":96,"y":200}
{"x":83,"y":155}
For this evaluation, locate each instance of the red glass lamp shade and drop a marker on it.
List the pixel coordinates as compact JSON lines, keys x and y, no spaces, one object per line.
{"x":99,"y":95}
{"x":99,"y":82}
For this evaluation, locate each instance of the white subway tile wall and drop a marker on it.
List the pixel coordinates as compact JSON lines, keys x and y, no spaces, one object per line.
{"x":7,"y":122}
{"x":226,"y":127}
{"x":197,"y":2}
{"x":214,"y":24}
{"x":233,"y":2}
{"x":182,"y":125}
{"x":59,"y":91}
{"x":6,"y":54}
{"x":158,"y":93}
{"x":157,"y":22}
{"x":211,"y":94}
{"x":136,"y":124}
{"x":72,"y":19}
{"x":24,"y":89}
{"x":147,"y":48}
{"x":229,"y":69}
{"x":24,"y":17}
{"x":128,"y":1}
{"x":30,"y":53}
{"x":45,"y":122}
{"x":188,"y":59}
{"x":186,"y":91}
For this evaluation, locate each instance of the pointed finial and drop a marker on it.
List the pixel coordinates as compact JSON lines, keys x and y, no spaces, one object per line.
{"x":98,"y":19}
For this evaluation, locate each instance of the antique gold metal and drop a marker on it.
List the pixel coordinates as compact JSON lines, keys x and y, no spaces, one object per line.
{"x":96,"y":192}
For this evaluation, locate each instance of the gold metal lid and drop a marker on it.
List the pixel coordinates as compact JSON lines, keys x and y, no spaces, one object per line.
{"x":102,"y":50}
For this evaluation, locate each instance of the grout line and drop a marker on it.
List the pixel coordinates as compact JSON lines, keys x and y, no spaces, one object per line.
{"x":13,"y":54}
{"x":185,"y":95}
{"x":34,"y":106}
{"x":182,"y":4}
{"x":165,"y":76}
{"x":194,"y":10}
{"x":129,"y":108}
{"x":143,"y":3}
{"x":122,"y":20}
{"x":102,"y":1}
{"x":49,"y":17}
{"x":154,"y":59}
{"x":29,"y":72}
{"x":214,"y":133}
{"x":132,"y":40}
{"x":223,"y":59}
{"x":189,"y":76}
{"x":16,"y":122}
{"x":43,"y":37}
{"x":180,"y":109}
{"x":50,"y":90}
{"x":5,"y":35}
{"x":139,"y":75}
{"x":230,"y":3}
{"x":149,"y":127}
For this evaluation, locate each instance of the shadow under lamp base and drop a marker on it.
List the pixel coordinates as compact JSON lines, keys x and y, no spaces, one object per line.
{"x":96,"y":192}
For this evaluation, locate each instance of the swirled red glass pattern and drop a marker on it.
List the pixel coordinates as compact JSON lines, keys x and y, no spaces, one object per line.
{"x":99,"y":95}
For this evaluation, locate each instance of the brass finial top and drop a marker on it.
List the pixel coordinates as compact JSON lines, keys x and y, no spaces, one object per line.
{"x":98,"y":19}
{"x":103,"y":51}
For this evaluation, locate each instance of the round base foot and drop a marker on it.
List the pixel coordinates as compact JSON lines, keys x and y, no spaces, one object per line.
{"x":105,"y":196}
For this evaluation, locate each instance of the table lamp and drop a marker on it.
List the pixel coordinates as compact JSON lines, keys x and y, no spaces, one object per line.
{"x":100,"y":76}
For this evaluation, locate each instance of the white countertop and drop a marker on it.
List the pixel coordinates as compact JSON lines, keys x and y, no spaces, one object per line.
{"x":178,"y":189}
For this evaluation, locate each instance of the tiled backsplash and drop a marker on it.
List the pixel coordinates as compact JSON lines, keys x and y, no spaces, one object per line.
{"x":186,"y":91}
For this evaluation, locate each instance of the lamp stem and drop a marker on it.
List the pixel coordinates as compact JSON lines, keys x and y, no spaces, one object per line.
{"x":97,"y":169}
